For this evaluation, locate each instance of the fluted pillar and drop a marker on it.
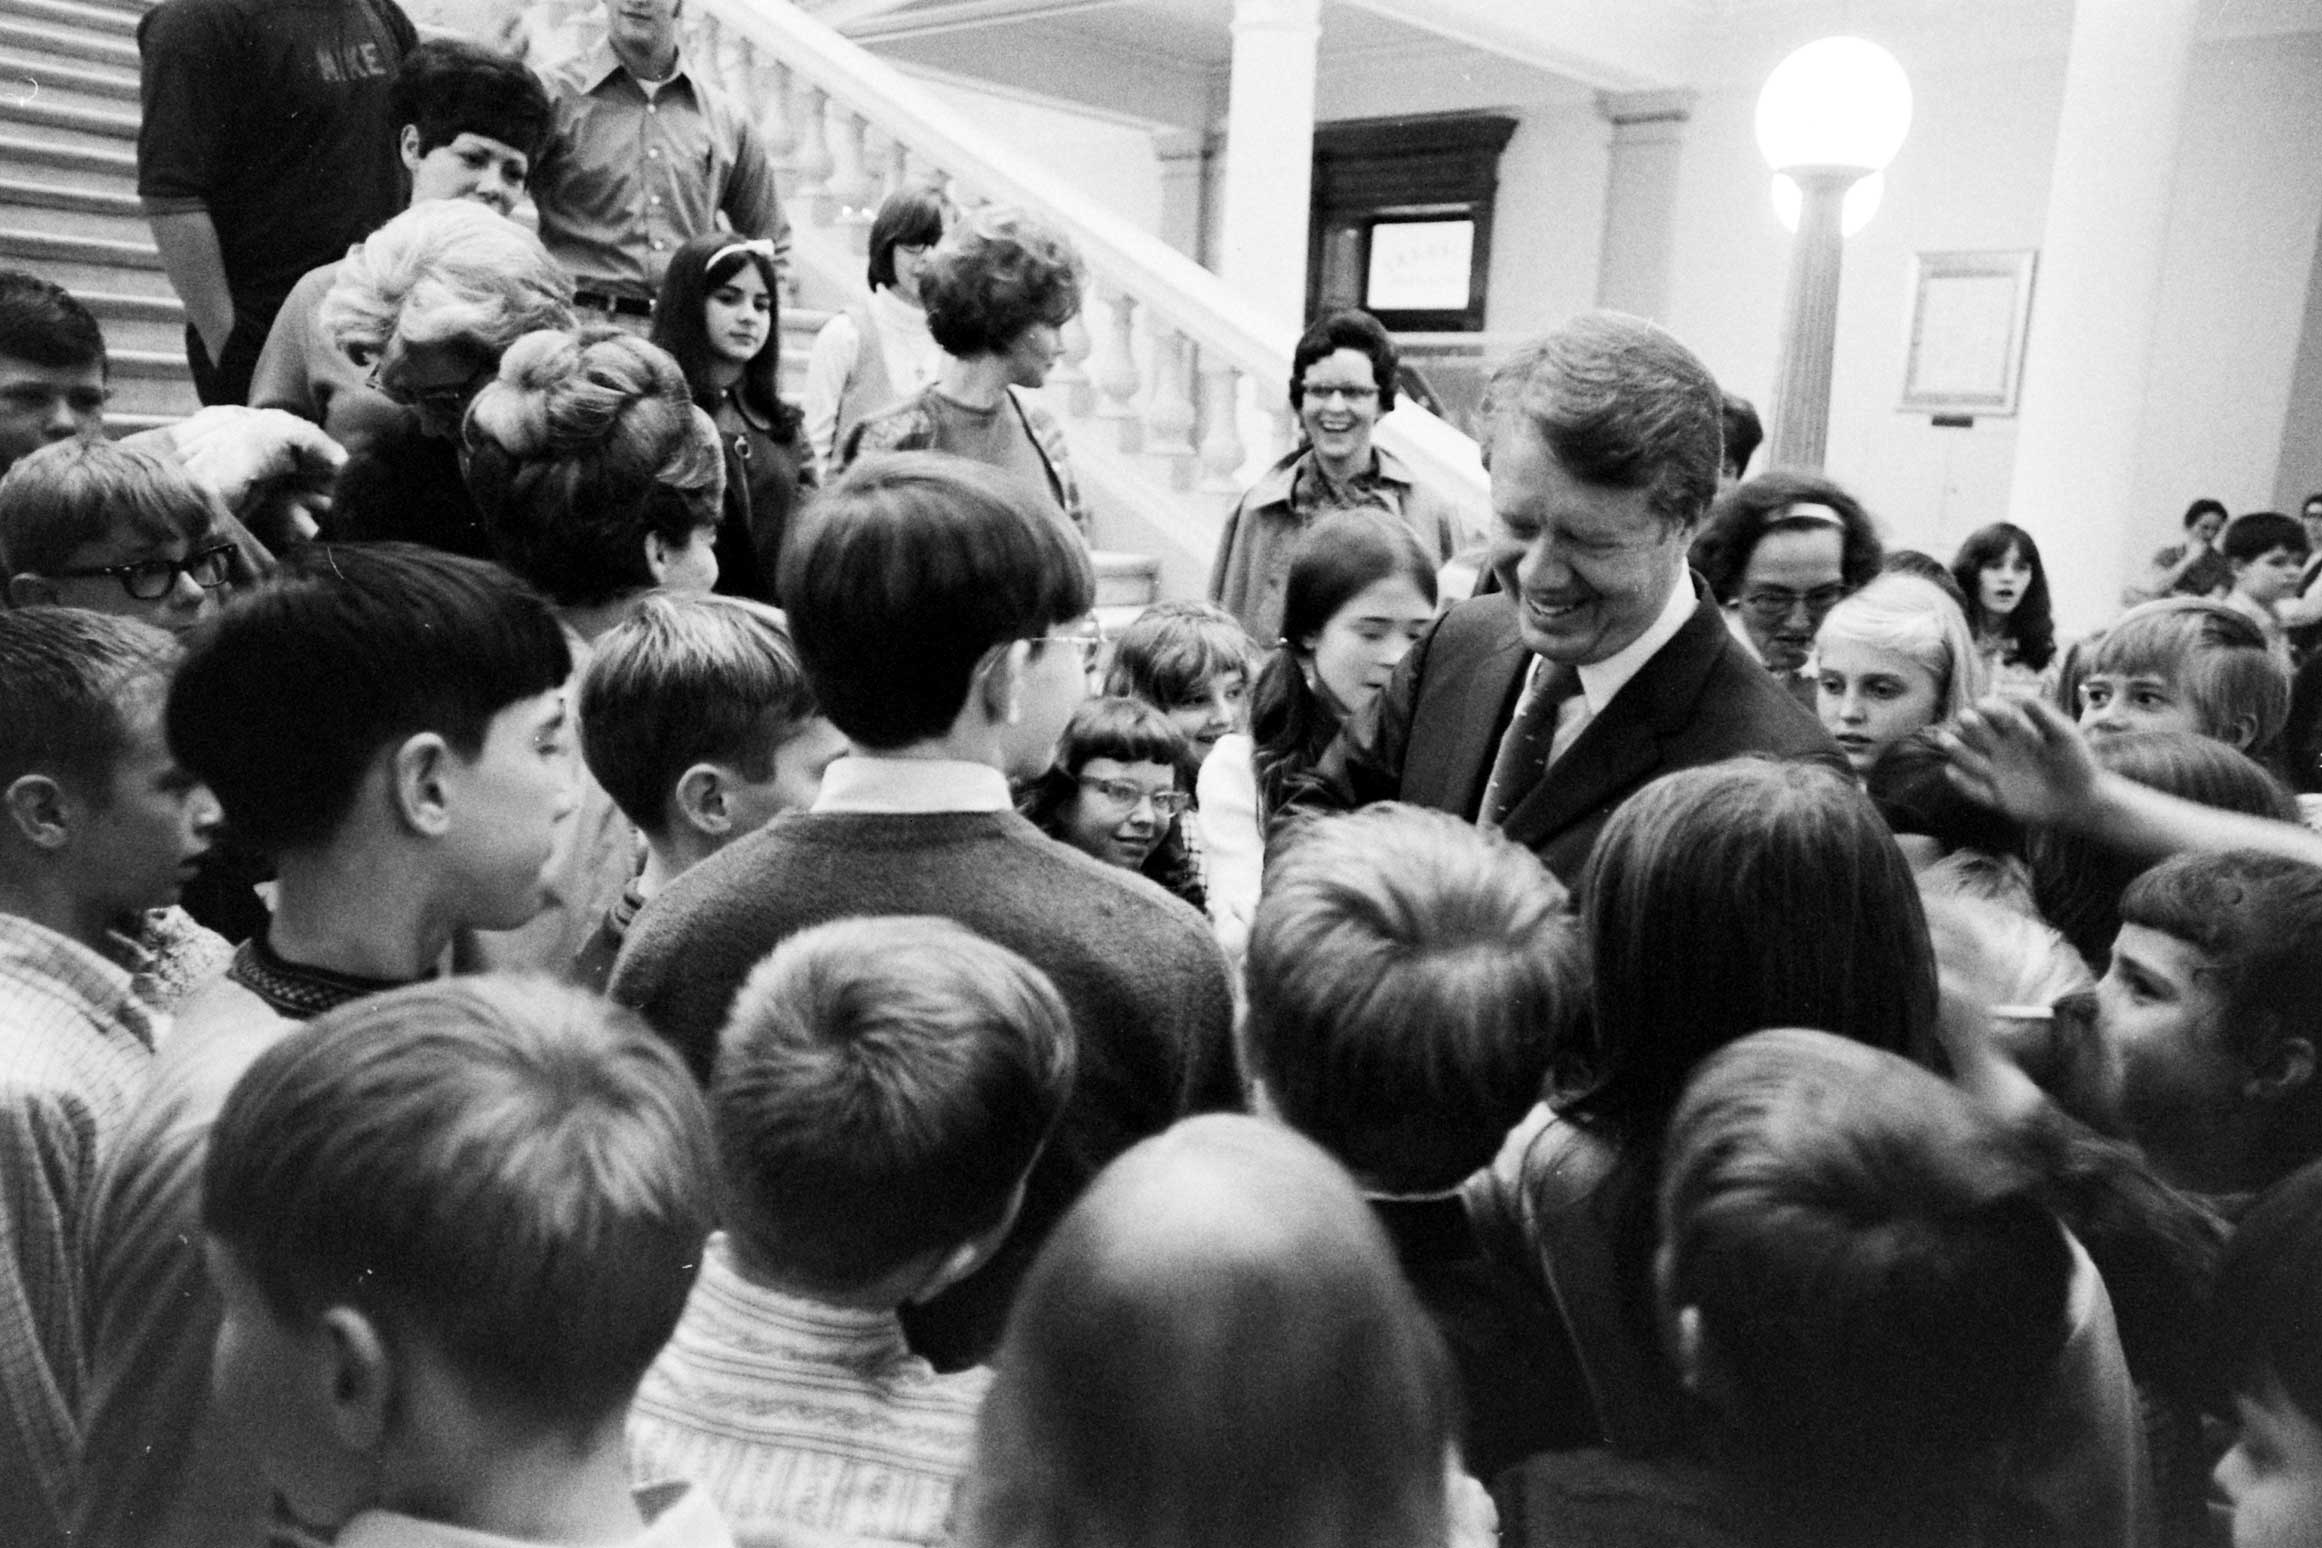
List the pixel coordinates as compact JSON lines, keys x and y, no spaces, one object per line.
{"x":1810,"y":320}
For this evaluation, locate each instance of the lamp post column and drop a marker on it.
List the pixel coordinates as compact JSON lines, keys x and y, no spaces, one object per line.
{"x":2092,"y":319}
{"x":1269,"y":153}
{"x":1810,"y":320}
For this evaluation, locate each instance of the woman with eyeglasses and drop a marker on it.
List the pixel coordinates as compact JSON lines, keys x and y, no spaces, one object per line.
{"x":1119,"y":791}
{"x":1779,"y":552}
{"x":719,"y":316}
{"x":878,"y":352}
{"x":1342,"y":379}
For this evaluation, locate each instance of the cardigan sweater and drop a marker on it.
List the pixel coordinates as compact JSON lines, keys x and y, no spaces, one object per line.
{"x":1145,"y":983}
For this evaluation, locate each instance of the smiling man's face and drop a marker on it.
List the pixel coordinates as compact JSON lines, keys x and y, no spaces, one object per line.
{"x":1590,"y":567}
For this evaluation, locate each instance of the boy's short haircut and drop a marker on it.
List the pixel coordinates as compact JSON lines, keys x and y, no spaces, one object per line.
{"x":1883,"y":1294}
{"x":2214,"y":656}
{"x":69,"y":679}
{"x":686,"y":680}
{"x":2259,"y":533}
{"x":447,"y":87}
{"x":514,"y":1170}
{"x":1171,"y":653}
{"x":2262,"y":1327}
{"x":2256,"y":919}
{"x":1410,"y":978}
{"x":882,"y":1087}
{"x":44,"y":324}
{"x":69,"y":494}
{"x":906,"y":572}
{"x":288,"y":695}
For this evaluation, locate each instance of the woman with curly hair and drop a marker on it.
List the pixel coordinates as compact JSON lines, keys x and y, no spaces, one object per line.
{"x":1778,"y":552}
{"x":998,"y":292}
{"x":1119,"y":792}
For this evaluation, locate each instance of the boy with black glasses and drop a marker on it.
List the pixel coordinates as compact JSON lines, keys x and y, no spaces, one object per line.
{"x":115,"y":529}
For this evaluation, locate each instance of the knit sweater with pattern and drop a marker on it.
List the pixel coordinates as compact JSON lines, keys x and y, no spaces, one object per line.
{"x":1145,"y":983}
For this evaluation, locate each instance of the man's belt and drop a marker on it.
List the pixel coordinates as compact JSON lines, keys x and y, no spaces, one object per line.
{"x":619,"y":306}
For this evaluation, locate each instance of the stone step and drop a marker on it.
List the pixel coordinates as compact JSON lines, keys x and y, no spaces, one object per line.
{"x":50,"y":248}
{"x":111,"y":166}
{"x":70,"y":124}
{"x":105,"y":20}
{"x":67,"y":41}
{"x":164,"y":365}
{"x":113,"y":307}
{"x":70,"y":198}
{"x":28,"y":72}
{"x":1125,"y":580}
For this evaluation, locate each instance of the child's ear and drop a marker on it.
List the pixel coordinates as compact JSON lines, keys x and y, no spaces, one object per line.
{"x":703,"y":799}
{"x":29,"y":590}
{"x":360,"y":1374}
{"x":1000,"y":682}
{"x":418,"y":783}
{"x":2287,"y":1070}
{"x":407,"y":143}
{"x":40,"y":810}
{"x":2240,"y":733}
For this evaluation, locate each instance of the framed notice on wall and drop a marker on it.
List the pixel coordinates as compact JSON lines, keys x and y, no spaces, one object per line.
{"x":1969,"y":315}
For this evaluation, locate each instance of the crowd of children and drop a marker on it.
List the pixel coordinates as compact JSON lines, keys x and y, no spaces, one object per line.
{"x":528,"y":1049}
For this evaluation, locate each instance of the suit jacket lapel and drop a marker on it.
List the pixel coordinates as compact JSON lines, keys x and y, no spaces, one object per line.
{"x":1448,"y":767}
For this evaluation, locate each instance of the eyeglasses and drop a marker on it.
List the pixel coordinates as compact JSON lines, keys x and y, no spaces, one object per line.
{"x":1123,"y":796}
{"x":149,"y":580}
{"x":448,"y":401}
{"x":1090,"y":644}
{"x":1772,"y":604}
{"x":1352,"y":395}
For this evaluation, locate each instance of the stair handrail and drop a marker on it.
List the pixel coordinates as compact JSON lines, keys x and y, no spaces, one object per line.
{"x":1122,"y":257}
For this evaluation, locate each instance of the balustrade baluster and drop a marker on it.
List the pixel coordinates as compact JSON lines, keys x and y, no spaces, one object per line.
{"x":1221,"y":437}
{"x":1116,"y":373}
{"x":1070,"y":373}
{"x":770,"y":83}
{"x":815,"y":163}
{"x":852,"y":191}
{"x":1169,"y":416}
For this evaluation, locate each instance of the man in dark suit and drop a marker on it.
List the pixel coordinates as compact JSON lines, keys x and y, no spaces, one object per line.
{"x":1601,"y":663}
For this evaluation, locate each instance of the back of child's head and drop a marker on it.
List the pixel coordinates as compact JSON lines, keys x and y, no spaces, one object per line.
{"x":2256,"y":920}
{"x":1910,"y":561}
{"x":1741,"y":895}
{"x":2077,"y":881}
{"x":447,"y":87}
{"x":2262,"y":1329}
{"x":1216,"y":1348}
{"x":1880,"y":1295}
{"x":685,"y":680}
{"x":44,"y":324}
{"x":1410,"y":978}
{"x":2258,"y":533}
{"x":62,"y":498}
{"x":882,"y":1087}
{"x":1917,"y":620}
{"x":906,"y":572}
{"x":290,"y":693}
{"x":70,"y":680}
{"x":1173,"y":652}
{"x":2216,"y":659}
{"x":516,"y":1172}
{"x":586,"y":444}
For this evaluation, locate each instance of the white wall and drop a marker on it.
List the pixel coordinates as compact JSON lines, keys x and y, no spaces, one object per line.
{"x":1973,"y":175}
{"x":1112,"y":163}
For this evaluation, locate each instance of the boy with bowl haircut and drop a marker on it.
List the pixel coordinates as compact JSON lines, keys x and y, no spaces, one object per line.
{"x":939,"y":612}
{"x":113,"y":528}
{"x":387,"y":725}
{"x":97,"y":825}
{"x":451,"y":1225}
{"x":696,"y":719}
{"x":1409,"y":978}
{"x":881,"y":1091}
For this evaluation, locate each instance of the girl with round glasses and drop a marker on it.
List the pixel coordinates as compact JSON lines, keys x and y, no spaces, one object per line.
{"x":1119,"y":790}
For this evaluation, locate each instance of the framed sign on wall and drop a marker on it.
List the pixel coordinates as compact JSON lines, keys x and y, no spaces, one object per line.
{"x":1969,"y":315}
{"x":1401,"y":223}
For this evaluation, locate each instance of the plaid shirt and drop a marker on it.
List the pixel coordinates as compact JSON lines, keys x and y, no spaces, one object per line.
{"x":75,"y":1045}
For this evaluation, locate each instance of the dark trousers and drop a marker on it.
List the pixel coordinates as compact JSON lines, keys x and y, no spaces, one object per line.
{"x":228,"y":380}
